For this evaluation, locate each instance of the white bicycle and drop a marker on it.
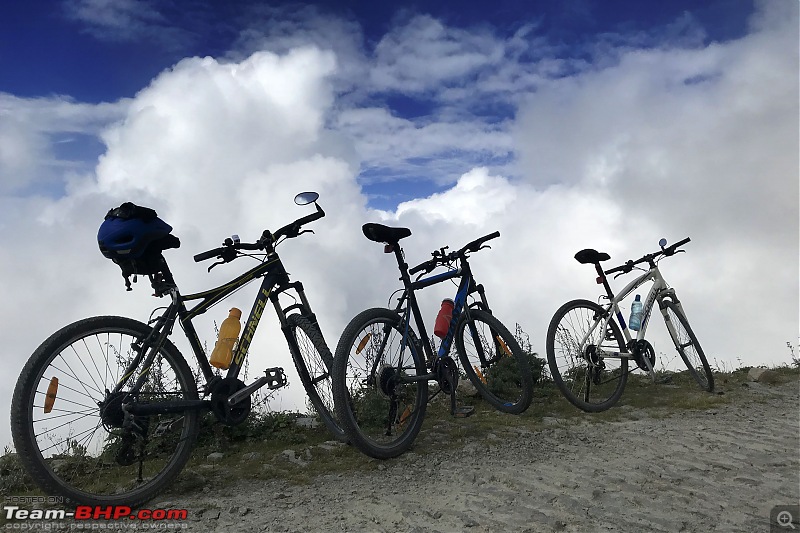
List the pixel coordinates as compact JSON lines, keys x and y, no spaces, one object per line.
{"x":589,"y":352}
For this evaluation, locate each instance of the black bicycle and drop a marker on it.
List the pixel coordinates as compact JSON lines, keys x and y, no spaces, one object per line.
{"x":382,"y":367}
{"x":106,"y":410}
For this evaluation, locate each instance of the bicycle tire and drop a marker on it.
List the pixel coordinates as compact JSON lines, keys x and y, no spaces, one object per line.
{"x":582,"y":384}
{"x":380,"y":414}
{"x":494,"y":362}
{"x":684,"y":338}
{"x":62,"y":441}
{"x":314,"y":363}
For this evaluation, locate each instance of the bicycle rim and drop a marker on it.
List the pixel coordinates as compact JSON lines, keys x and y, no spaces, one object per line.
{"x":689,"y":348}
{"x":588,"y":380}
{"x":494,"y":362}
{"x":314,"y":368}
{"x":69,"y":431}
{"x":380,"y":409}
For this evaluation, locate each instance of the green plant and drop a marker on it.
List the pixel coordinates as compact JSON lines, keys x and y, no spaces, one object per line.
{"x":536,"y":363}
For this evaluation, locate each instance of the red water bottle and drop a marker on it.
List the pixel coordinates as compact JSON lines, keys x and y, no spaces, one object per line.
{"x":443,"y":318}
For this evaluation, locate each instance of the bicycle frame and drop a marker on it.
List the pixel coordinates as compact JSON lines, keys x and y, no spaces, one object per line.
{"x":275,"y":281}
{"x":466,"y":287}
{"x":658,"y":292}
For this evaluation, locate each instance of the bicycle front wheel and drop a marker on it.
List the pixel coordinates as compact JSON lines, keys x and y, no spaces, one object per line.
{"x":313,"y":363}
{"x":575,"y":343}
{"x":73,"y":436}
{"x":688,"y":347}
{"x":494,"y":362}
{"x":379,"y":387}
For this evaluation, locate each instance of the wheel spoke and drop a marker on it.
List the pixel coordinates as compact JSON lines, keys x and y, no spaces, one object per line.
{"x":576,"y":343}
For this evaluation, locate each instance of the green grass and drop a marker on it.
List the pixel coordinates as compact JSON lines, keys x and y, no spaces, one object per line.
{"x":269,"y":435}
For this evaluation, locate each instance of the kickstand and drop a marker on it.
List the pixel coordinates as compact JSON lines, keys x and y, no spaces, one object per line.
{"x":459,"y":412}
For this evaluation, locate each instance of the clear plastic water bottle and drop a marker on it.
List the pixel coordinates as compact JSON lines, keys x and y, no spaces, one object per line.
{"x":635,"y":322}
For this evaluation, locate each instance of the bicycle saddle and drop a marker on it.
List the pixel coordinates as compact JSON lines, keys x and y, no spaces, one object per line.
{"x":381,"y":233}
{"x":591,"y":256}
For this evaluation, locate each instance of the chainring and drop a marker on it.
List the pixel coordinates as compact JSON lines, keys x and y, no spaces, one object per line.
{"x":447,"y":374}
{"x":642,"y":349}
{"x":230,"y":415}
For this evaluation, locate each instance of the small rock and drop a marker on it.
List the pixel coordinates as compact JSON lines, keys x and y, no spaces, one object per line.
{"x":215,"y":457}
{"x":308,"y":422}
{"x":251,"y":456}
{"x":290,"y":456}
{"x":466,"y":388}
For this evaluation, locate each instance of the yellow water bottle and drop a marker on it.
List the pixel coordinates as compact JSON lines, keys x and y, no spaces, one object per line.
{"x":228,"y":333}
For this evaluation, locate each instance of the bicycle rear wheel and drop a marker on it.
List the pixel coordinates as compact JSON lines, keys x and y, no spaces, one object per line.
{"x":588,"y":380}
{"x":688,"y":347}
{"x":494,"y":362}
{"x":68,"y":430}
{"x":379,"y":397}
{"x":313,"y":364}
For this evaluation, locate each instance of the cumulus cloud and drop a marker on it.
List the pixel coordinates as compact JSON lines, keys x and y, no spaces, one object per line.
{"x":696,"y":141}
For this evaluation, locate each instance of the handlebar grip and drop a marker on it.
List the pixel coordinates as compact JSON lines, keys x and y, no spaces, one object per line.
{"x":474,"y":245}
{"x":419,"y":268}
{"x":680,"y":243}
{"x":207,"y":255}
{"x":627,"y":267}
{"x":297,"y":224}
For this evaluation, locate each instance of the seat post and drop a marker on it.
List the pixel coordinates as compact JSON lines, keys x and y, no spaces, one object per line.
{"x":401,"y":262}
{"x":601,"y":279}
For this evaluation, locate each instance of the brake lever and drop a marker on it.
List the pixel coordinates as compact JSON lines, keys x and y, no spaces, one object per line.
{"x":227,"y":255}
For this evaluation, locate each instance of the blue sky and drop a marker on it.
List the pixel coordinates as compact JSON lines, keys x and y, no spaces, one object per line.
{"x":95,"y":51}
{"x":103,"y":50}
{"x":564,"y":125}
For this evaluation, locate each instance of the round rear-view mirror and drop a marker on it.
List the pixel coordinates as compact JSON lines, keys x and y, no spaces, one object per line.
{"x":306,"y":198}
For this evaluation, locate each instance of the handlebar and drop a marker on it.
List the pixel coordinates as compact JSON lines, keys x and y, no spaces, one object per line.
{"x":228,"y":252}
{"x":649,"y":258}
{"x":441,"y":258}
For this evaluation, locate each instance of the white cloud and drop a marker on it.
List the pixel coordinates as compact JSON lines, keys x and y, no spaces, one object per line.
{"x":671,"y":142}
{"x":423,"y":54}
{"x":123,"y":20}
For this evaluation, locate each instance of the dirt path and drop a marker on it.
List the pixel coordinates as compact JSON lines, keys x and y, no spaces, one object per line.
{"x":710,"y":470}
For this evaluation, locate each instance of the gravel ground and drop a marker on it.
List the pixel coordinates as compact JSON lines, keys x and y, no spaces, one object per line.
{"x":721,"y":469}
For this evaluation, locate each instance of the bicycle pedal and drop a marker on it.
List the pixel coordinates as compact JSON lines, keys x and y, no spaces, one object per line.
{"x":464,"y":411}
{"x":276,"y":377}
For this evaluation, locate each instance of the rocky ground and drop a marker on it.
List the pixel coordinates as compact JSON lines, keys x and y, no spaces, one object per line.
{"x":717,"y":469}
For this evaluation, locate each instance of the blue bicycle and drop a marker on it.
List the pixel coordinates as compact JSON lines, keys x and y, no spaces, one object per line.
{"x":381,"y":368}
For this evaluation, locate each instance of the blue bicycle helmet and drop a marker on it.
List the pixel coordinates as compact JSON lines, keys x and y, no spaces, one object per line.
{"x":127,"y":239}
{"x":128,"y":230}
